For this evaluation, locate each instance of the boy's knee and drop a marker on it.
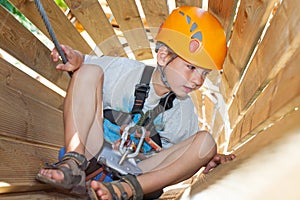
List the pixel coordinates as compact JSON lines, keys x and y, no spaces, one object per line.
{"x":207,"y":145}
{"x":89,"y":74}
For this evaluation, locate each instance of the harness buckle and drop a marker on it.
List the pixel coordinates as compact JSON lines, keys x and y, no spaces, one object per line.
{"x":142,"y":88}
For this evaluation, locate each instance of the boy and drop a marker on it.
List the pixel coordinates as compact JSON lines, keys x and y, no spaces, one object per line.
{"x":190,"y":43}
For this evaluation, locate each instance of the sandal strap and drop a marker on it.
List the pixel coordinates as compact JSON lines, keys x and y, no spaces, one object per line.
{"x":111,"y":190}
{"x":80,"y":159}
{"x":69,"y":178}
{"x":109,"y":186}
{"x":137,"y":190}
{"x":124,"y":194}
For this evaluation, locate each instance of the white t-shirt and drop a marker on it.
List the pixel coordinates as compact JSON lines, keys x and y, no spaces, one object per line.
{"x":120,"y":77}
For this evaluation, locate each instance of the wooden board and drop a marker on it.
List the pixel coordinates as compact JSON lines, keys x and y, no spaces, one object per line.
{"x":224,"y":10}
{"x":37,"y":195}
{"x":28,"y":119}
{"x":16,"y":80}
{"x":250,"y":22}
{"x":19,"y":164}
{"x":156,"y":11}
{"x":280,"y":97}
{"x":20,"y":43}
{"x":132,"y":27}
{"x":270,"y":58}
{"x":197,"y":3}
{"x":66,"y":33}
{"x":95,"y":22}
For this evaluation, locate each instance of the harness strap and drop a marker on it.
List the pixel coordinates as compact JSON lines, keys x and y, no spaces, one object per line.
{"x":165,"y":104}
{"x":141,"y":93}
{"x":142,"y":90}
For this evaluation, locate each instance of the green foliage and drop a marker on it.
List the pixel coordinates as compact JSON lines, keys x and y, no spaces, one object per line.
{"x":6,"y":4}
{"x":61,"y":4}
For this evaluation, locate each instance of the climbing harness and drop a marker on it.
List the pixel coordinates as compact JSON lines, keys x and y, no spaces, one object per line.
{"x":51,"y":32}
{"x":135,"y":133}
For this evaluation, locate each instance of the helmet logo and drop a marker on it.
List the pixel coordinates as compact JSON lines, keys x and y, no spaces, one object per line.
{"x":194,"y":45}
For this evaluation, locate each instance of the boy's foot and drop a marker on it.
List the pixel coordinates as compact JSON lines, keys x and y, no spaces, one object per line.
{"x":67,"y":174}
{"x":126,"y":187}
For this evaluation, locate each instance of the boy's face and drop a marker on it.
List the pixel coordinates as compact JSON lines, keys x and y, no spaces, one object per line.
{"x":184,"y":77}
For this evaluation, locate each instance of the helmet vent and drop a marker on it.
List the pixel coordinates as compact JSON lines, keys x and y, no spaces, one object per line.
{"x":193,"y":27}
{"x":197,"y":35}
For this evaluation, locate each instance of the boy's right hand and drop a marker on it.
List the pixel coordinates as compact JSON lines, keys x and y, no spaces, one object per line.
{"x":75,"y":58}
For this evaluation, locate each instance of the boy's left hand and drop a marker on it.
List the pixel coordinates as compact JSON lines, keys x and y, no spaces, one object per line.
{"x":217,"y":160}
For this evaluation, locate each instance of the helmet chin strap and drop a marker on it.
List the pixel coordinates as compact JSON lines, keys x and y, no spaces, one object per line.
{"x":163,"y":76}
{"x":162,"y":73}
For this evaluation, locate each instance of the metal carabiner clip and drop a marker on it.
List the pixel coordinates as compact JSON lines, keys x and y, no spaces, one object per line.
{"x":128,"y":151}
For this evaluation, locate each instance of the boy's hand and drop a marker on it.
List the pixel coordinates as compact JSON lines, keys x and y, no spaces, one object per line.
{"x":75,"y":58}
{"x":217,"y":160}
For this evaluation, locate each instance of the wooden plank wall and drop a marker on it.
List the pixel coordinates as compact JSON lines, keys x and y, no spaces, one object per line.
{"x":31,"y":126}
{"x":270,"y":87}
{"x":31,"y":130}
{"x":23,"y":45}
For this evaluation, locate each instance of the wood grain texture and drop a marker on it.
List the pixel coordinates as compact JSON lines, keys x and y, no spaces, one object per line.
{"x":224,"y":11}
{"x":156,"y":11}
{"x":132,"y":27}
{"x":66,"y":33}
{"x":38,"y":195}
{"x":16,"y":80}
{"x":281,"y":95}
{"x":28,"y":119}
{"x":95,"y":22}
{"x":250,"y":22}
{"x":197,"y":3}
{"x":20,"y":43}
{"x":270,"y":57}
{"x":20,"y":163}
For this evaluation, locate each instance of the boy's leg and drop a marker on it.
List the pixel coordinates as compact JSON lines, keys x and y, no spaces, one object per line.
{"x":177,"y":163}
{"x":82,"y":115}
{"x":83,"y":111}
{"x":170,"y":166}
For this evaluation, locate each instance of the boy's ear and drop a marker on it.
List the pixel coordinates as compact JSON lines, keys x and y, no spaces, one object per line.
{"x":162,"y":55}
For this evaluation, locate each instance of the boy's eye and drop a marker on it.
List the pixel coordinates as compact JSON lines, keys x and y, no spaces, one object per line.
{"x":204,"y":74}
{"x":191,"y":67}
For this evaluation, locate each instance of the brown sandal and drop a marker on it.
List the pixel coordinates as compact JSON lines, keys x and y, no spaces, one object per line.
{"x":137,"y":191}
{"x":74,"y":176}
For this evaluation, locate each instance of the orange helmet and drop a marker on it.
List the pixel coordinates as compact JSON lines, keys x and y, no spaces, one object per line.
{"x":196,"y":36}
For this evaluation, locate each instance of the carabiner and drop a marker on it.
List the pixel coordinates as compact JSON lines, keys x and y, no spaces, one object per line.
{"x":126,"y":149}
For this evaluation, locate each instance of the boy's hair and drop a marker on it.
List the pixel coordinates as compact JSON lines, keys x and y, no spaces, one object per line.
{"x":160,"y":44}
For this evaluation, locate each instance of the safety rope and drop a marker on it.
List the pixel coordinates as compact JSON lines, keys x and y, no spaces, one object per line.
{"x":51,"y":32}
